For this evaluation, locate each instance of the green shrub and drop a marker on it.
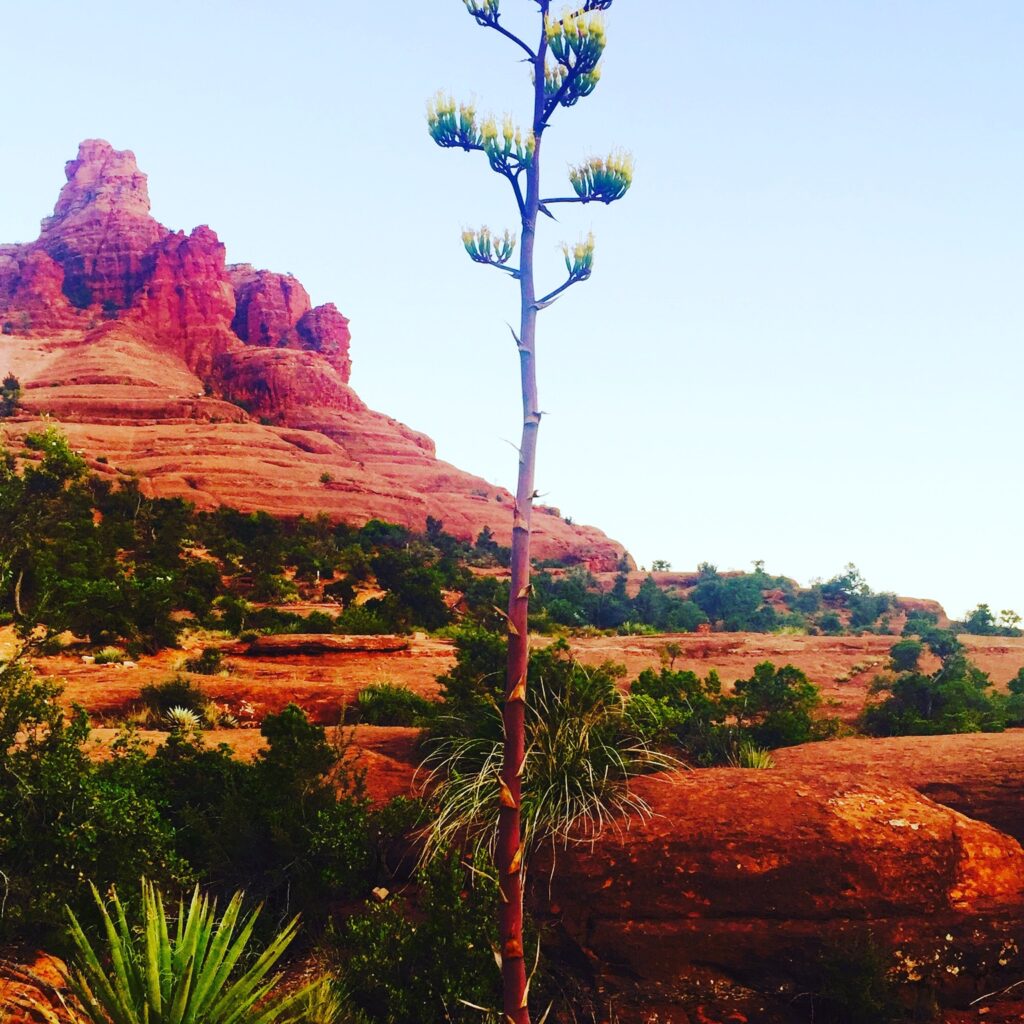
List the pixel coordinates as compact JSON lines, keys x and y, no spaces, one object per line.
{"x":292,"y":827}
{"x":1015,"y":702}
{"x":359,"y":620}
{"x":954,"y":699}
{"x":179,"y":692}
{"x":854,"y":986}
{"x":749,"y":755}
{"x":905,"y":655}
{"x":63,"y":818}
{"x":775,"y":707}
{"x":10,"y":395}
{"x":682,"y":708}
{"x":209,"y":663}
{"x":425,"y":962}
{"x":203,"y":970}
{"x":387,"y":704}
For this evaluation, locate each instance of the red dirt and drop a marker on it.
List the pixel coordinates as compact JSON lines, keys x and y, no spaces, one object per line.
{"x":324,"y":683}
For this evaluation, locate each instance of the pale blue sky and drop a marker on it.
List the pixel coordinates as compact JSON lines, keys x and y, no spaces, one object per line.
{"x":803,"y":338}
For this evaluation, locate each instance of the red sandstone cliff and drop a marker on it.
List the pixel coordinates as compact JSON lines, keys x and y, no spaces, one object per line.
{"x":218,"y":383}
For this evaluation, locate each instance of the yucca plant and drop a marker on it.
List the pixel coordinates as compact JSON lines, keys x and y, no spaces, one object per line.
{"x":189,"y":974}
{"x":582,"y":750}
{"x":183,"y":719}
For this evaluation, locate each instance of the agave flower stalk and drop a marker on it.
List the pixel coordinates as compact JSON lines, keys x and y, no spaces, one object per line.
{"x":565,"y":67}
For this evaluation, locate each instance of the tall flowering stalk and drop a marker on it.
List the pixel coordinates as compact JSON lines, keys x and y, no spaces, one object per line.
{"x":565,"y":65}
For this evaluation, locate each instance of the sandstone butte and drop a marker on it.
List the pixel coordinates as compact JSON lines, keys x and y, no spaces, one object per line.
{"x":218,"y":383}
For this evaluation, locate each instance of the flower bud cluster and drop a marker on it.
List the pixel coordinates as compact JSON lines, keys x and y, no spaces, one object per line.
{"x":483,"y":247}
{"x":603,"y":181}
{"x":452,"y":125}
{"x":485,"y":11}
{"x":579,"y":258}
{"x":508,"y":150}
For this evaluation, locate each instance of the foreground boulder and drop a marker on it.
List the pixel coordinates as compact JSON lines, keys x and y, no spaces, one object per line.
{"x":752,"y":878}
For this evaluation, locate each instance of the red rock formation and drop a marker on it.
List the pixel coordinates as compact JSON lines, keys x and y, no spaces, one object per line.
{"x":187,"y":301}
{"x":155,"y":354}
{"x":274,"y":311}
{"x":32,"y":291}
{"x":324,"y":330}
{"x":101,"y":230}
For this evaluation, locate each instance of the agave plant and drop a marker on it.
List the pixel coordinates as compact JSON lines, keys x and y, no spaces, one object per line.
{"x":190,"y":974}
{"x":184,"y":719}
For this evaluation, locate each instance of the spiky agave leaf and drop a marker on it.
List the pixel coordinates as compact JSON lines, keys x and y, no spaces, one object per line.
{"x":191,"y":977}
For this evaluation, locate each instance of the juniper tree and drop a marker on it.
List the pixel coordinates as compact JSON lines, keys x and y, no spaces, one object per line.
{"x":565,"y":67}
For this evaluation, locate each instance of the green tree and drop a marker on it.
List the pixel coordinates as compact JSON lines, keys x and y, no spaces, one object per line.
{"x":905,"y":654}
{"x":10,"y":395}
{"x":980,"y":621}
{"x":565,"y":66}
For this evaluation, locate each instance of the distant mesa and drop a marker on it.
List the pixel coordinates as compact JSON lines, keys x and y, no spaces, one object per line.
{"x":219,"y":383}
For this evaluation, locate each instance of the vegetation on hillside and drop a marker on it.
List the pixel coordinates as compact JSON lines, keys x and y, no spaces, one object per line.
{"x":956,"y":697}
{"x":92,"y":555}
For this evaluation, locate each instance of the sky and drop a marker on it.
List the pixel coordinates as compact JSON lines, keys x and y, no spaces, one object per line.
{"x":802,"y":342}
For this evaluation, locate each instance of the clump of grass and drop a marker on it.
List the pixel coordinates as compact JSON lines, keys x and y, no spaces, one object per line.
{"x":385,"y":703}
{"x":750,"y":755}
{"x":109,"y":656}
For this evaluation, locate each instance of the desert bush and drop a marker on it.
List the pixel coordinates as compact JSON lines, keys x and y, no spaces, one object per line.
{"x":292,"y":827}
{"x":10,"y":394}
{"x":681,"y":708}
{"x":749,"y":755}
{"x":63,"y":818}
{"x":205,"y":970}
{"x":1015,"y":702}
{"x":179,"y":692}
{"x":854,"y":986}
{"x":954,"y":699}
{"x":209,"y":663}
{"x":428,"y":962}
{"x":905,"y":655}
{"x":359,"y":620}
{"x":775,"y":707}
{"x":388,"y":704}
